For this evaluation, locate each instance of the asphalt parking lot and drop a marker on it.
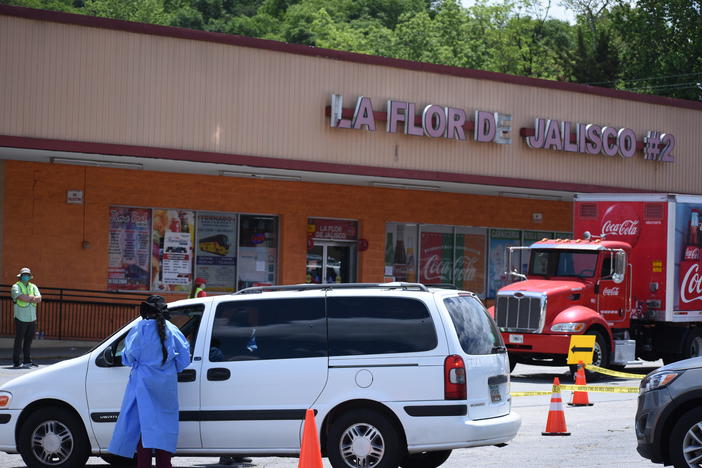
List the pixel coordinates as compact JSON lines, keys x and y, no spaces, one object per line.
{"x":602,"y":435}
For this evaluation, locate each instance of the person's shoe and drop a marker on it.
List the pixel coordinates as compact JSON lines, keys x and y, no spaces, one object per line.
{"x":226,"y":460}
{"x":16,"y":366}
{"x":27,"y":365}
{"x":241,"y":460}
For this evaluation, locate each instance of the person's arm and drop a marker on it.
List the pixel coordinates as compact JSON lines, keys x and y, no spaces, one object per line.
{"x":132,"y":347}
{"x":181,"y":349}
{"x":37,"y":295}
{"x":17,"y":296}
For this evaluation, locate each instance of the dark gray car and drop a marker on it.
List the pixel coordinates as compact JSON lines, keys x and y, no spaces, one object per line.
{"x":669,"y":416}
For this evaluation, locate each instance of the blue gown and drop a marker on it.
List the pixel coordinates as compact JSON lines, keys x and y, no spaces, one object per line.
{"x":150,"y":405}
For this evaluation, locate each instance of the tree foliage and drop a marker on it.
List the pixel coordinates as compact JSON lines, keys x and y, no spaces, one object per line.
{"x":652,"y":46}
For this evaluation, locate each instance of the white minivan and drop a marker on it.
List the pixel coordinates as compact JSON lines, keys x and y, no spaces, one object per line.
{"x":398,"y":374}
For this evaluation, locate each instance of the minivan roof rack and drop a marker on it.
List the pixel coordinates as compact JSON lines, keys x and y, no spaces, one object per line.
{"x":333,"y":286}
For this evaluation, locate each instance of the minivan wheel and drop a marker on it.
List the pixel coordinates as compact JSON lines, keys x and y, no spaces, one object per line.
{"x":363,"y":438}
{"x":684,"y":445}
{"x":426,"y":459}
{"x":53,"y":437}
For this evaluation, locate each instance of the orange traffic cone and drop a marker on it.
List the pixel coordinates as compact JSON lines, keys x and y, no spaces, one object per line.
{"x":310,"y":452}
{"x":580,"y":398}
{"x":555,"y":424}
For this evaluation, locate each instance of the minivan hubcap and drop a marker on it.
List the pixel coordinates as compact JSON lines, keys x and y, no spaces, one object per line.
{"x":362,"y":445}
{"x":52,"y":443}
{"x":692,"y":445}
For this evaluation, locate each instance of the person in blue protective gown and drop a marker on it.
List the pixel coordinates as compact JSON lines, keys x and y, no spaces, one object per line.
{"x":156,"y":351}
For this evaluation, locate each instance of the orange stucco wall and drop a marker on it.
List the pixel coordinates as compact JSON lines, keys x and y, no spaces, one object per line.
{"x":42,"y":231}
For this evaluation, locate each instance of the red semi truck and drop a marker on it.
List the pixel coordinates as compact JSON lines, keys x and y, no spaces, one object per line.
{"x":632,"y":276}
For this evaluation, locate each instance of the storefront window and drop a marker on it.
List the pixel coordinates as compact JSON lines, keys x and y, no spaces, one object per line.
{"x":216,"y":250}
{"x":164,"y":250}
{"x":500,"y":240}
{"x":258,"y":250}
{"x":172,"y":236}
{"x":436,"y":259}
{"x":400,"y":252}
{"x":469,"y":266}
{"x":129,"y":246}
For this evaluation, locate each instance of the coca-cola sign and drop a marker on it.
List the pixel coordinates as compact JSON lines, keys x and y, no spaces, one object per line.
{"x":437,"y":270}
{"x":691,"y":285}
{"x":621,"y":222}
{"x":610,"y":292}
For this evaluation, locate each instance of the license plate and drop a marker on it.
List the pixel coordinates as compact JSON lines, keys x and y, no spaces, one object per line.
{"x":495,"y":393}
{"x":516,"y":339}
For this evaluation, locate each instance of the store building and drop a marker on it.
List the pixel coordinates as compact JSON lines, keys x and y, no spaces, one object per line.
{"x":138,"y":157}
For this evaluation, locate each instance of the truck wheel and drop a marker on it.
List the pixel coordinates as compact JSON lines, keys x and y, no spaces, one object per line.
{"x":600,"y":354}
{"x":426,"y":459}
{"x":693,"y":344}
{"x":364,"y":438}
{"x":53,"y":437}
{"x":684,"y":440}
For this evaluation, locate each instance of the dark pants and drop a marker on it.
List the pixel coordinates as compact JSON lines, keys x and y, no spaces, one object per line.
{"x":24,"y":331}
{"x":163,"y":458}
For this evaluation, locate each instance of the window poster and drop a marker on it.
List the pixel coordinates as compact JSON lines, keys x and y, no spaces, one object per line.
{"x":216,"y":250}
{"x":172,"y":237}
{"x":400,"y":247}
{"x":436,"y":255}
{"x":469,"y":265}
{"x":500,"y":240}
{"x":128,"y":258}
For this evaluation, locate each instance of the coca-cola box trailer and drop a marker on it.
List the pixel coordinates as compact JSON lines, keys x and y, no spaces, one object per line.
{"x":632,"y":276}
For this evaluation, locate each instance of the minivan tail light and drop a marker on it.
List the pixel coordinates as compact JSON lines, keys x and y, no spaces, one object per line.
{"x":455,"y":378}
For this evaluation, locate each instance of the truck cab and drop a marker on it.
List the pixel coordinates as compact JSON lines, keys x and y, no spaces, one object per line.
{"x":572,"y":286}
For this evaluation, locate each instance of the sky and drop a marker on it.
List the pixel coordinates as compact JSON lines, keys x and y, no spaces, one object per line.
{"x":555,"y":11}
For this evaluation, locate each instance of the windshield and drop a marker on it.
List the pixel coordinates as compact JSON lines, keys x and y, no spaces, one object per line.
{"x":563,"y":263}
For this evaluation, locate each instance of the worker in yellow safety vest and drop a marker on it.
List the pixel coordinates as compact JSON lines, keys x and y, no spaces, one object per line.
{"x":25,"y":296}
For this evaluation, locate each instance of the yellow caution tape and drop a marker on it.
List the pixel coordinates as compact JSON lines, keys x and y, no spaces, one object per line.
{"x":516,"y":394}
{"x":580,"y":388}
{"x":602,"y":370}
{"x":599,"y":389}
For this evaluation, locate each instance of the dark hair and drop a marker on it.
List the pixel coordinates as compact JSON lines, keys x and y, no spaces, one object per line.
{"x":154,"y":308}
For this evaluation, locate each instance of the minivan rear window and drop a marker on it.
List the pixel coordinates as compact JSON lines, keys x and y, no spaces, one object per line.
{"x":378,"y":325}
{"x":475,"y":329}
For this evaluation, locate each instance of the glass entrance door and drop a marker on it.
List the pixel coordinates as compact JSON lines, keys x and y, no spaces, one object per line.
{"x":331,"y":262}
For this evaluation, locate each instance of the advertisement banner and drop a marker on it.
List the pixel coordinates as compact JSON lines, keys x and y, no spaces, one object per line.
{"x":469,"y":267}
{"x":688,"y":265}
{"x":500,"y":239}
{"x":216,"y":250}
{"x":172,"y":236}
{"x":128,"y":260}
{"x":436,"y":257}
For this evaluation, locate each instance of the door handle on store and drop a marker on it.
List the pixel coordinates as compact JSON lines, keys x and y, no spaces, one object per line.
{"x":218,"y":374}
{"x":188,"y":375}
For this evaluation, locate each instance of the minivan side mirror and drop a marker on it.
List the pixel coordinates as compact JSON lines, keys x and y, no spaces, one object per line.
{"x":619,"y":266}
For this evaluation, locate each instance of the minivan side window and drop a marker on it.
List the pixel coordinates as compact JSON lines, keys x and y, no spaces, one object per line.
{"x":475,"y":329}
{"x":378,"y":325}
{"x":268,"y":329}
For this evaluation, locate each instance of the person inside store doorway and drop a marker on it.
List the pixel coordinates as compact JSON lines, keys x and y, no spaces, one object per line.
{"x":25,"y":297}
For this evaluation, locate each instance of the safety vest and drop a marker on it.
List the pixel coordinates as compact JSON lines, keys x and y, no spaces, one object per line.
{"x":26,"y":290}
{"x":195,"y":294}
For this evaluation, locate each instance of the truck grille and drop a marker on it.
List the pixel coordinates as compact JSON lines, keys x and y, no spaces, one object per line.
{"x":518,"y":313}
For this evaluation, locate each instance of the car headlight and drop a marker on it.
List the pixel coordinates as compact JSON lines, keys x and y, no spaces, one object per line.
{"x":5,"y":398}
{"x":571,"y":327}
{"x":658,"y":380}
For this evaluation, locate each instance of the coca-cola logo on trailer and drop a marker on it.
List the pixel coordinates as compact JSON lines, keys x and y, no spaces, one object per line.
{"x":691,"y":285}
{"x":621,"y":222}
